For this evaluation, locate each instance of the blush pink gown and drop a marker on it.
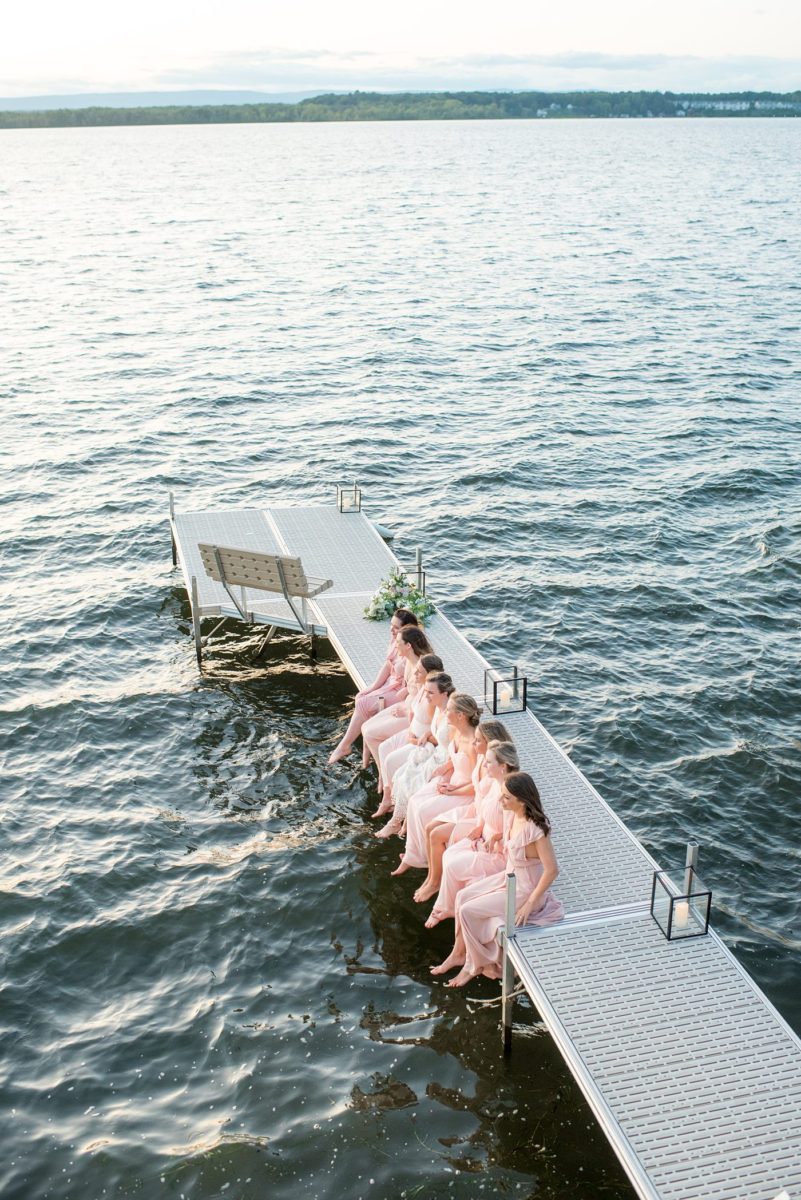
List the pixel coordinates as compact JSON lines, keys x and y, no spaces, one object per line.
{"x":384,"y":724}
{"x":394,"y":751}
{"x":481,"y":906}
{"x":464,"y":861}
{"x":368,"y":705}
{"x":429,"y":802}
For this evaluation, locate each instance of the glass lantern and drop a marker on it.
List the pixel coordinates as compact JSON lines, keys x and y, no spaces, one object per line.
{"x":505,"y":691}
{"x":680,"y":912}
{"x":349,"y":499}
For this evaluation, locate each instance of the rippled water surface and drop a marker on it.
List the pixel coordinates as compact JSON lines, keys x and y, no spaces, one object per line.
{"x":561,"y":357}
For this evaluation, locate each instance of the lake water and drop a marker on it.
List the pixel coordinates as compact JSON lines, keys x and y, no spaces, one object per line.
{"x":562,"y":357}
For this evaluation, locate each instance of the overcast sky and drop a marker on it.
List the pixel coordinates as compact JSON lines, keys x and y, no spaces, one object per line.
{"x":705,"y":45}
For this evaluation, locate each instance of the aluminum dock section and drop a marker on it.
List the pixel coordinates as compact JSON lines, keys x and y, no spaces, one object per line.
{"x":693,"y":1075}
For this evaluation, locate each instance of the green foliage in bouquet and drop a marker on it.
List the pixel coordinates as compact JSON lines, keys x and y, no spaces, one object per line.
{"x":397,"y":592}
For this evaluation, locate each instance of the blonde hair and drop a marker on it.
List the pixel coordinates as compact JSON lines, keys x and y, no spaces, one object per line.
{"x":466,"y":705}
{"x":505,"y":754}
{"x":494,"y":731}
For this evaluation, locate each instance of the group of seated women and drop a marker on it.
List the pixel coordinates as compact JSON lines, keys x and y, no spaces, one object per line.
{"x":451,"y":784}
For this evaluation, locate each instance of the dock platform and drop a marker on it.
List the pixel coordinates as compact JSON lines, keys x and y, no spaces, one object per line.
{"x":693,"y":1075}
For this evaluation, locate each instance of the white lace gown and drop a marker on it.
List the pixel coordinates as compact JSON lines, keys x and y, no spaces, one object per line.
{"x":420,"y":765}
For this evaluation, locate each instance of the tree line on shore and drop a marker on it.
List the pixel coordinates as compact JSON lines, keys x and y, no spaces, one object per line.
{"x":427,"y":106}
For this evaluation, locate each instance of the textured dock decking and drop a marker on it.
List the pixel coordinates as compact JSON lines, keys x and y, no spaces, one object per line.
{"x":691,"y":1072}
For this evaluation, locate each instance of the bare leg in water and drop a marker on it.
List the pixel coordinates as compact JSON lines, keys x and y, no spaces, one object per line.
{"x":456,"y":958}
{"x":437,"y":836}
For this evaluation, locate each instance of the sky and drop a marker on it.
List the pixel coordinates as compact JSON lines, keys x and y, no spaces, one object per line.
{"x":264,"y":45}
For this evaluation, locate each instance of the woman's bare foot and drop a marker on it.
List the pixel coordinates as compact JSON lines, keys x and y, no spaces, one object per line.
{"x":384,"y":807}
{"x":427,"y":889}
{"x":339,"y":752}
{"x":392,"y":826}
{"x":461,"y":979}
{"x":434,"y":918}
{"x":453,"y":960}
{"x":402,"y":869}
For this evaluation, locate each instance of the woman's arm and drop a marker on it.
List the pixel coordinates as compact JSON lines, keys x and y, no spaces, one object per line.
{"x":543,"y":850}
{"x":380,"y":679}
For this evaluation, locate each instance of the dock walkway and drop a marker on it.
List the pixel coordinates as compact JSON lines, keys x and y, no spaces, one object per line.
{"x":693,"y":1075}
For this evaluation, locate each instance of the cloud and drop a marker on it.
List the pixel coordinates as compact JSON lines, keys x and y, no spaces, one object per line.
{"x":273,"y":69}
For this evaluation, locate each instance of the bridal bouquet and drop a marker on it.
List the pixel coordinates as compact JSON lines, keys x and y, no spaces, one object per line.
{"x":397,"y":592}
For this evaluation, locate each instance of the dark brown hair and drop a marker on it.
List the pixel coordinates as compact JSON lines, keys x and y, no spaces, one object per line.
{"x":405,"y":617}
{"x":431,"y":662}
{"x":520,"y":785}
{"x":443,"y":682}
{"x":413,"y":636}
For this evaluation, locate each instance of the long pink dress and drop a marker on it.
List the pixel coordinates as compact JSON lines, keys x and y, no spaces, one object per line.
{"x":464,"y":861}
{"x":368,"y":705}
{"x":420,"y":764}
{"x":384,"y":724}
{"x":481,"y":906}
{"x":394,"y":751}
{"x":429,"y":802}
{"x":463,"y":818}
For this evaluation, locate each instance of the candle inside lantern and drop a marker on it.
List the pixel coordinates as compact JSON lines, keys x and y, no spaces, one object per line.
{"x":681,"y":914}
{"x":505,"y":694}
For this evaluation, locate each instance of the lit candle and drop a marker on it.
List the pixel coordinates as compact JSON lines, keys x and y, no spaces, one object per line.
{"x":506,"y":694}
{"x":681,"y":914}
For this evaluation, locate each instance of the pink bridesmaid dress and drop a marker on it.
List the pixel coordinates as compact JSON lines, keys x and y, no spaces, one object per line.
{"x":464,"y":861}
{"x":394,"y":751}
{"x":384,"y":724}
{"x":464,"y":818}
{"x":429,"y":802}
{"x":481,"y":907}
{"x":369,"y":704}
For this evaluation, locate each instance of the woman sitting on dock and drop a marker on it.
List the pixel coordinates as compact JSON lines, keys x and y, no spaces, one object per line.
{"x":412,"y":645}
{"x":480,"y":907}
{"x":424,"y":757}
{"x":483,"y":851}
{"x":450,"y":786}
{"x":456,"y":823}
{"x":394,"y":751}
{"x":383,"y":691}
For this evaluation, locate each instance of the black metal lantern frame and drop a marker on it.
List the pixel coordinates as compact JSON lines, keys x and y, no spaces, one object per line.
{"x":680,"y":912}
{"x":505,"y":691}
{"x":349,"y":499}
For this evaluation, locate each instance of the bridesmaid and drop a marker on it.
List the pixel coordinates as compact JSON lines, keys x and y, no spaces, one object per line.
{"x":456,"y":823}
{"x":384,"y":690}
{"x":480,"y":907}
{"x":481,"y":852}
{"x":450,"y":785}
{"x":426,"y":757}
{"x":412,"y":645}
{"x":395,"y":750}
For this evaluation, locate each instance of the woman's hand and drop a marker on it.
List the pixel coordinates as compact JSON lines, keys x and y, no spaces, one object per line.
{"x":412,"y":740}
{"x":492,"y":844}
{"x":444,"y":788}
{"x":524,"y":912}
{"x":475,"y":835}
{"x":438,"y":772}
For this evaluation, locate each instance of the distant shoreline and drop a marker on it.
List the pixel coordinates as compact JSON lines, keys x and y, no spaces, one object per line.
{"x":424,"y":106}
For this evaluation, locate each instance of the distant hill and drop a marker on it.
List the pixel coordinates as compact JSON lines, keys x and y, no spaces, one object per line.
{"x":416,"y":106}
{"x":147,"y":99}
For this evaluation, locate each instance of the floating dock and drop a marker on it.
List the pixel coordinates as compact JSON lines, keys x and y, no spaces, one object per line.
{"x":691,"y":1072}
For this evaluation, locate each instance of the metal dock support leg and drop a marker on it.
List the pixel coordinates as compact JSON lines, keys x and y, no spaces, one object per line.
{"x":508,"y":975}
{"x":172,"y":535}
{"x":266,"y":641}
{"x":196,"y":618}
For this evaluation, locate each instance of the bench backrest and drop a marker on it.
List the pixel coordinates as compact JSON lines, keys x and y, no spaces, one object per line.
{"x":252,"y":569}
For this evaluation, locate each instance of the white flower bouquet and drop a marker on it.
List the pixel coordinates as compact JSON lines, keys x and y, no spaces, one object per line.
{"x":397,"y":592}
